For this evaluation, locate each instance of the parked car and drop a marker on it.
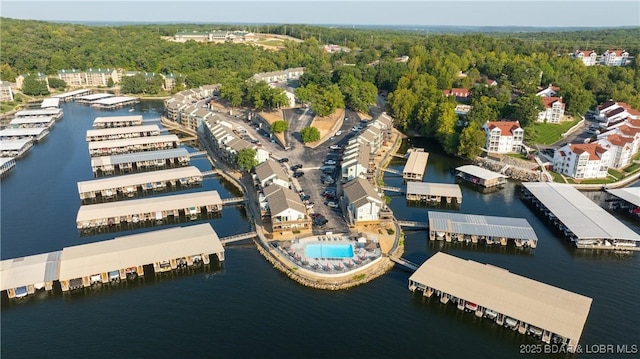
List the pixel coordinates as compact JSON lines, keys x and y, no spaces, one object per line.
{"x":298,"y":174}
{"x":338,"y":133}
{"x":335,"y":147}
{"x":332,"y":204}
{"x":305,"y":197}
{"x":296,"y":167}
{"x":283,"y":160}
{"x":330,"y":162}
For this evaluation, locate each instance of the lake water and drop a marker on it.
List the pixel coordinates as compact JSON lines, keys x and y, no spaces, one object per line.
{"x":245,"y":308}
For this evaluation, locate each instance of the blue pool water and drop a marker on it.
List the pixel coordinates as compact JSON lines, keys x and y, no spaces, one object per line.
{"x":329,"y":251}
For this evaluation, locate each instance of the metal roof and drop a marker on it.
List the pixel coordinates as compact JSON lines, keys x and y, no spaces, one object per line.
{"x":113,"y":100}
{"x":71,"y":93}
{"x":416,"y":163}
{"x":50,"y":102}
{"x":583,"y":217}
{"x":109,"y":119}
{"x":95,"y":96}
{"x":4,"y":160}
{"x":138,"y":249}
{"x":14,"y":145}
{"x":96,"y":145}
{"x":480,"y":172}
{"x":122,"y":130}
{"x":631,"y":194}
{"x":28,"y":131}
{"x":517,"y":228}
{"x":539,"y":304}
{"x":139,"y":157}
{"x":39,"y":112}
{"x":137,"y":179}
{"x":25,"y":120}
{"x":147,"y":205}
{"x":434,"y":189}
{"x":35,"y":269}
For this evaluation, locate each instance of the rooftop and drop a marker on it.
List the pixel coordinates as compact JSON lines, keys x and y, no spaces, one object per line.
{"x":630,"y":194}
{"x":35,"y":269}
{"x":359,"y":192}
{"x":110,"y":119}
{"x":480,"y":172}
{"x":137,"y":179}
{"x":14,"y":145}
{"x":122,"y":130}
{"x":434,"y":189}
{"x":517,"y":228}
{"x":139,"y":157}
{"x":96,"y":145}
{"x":416,"y":163}
{"x":280,"y":199}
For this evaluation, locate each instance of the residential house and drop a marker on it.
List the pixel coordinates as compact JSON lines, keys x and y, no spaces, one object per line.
{"x":550,"y":91}
{"x":270,"y":172}
{"x":459,"y":93}
{"x":269,"y":77}
{"x":582,"y":161}
{"x":285,"y":210}
{"x":503,"y":136}
{"x":6,"y":92}
{"x":553,"y":110}
{"x":294,"y":73}
{"x":614,"y":57}
{"x":356,"y":161}
{"x":72,"y":77}
{"x":371,"y":136}
{"x":588,"y":57}
{"x":622,"y":141}
{"x":361,"y":201}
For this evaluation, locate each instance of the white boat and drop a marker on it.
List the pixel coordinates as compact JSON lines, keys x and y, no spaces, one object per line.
{"x":488,"y":313}
{"x":535,"y":331}
{"x":510,"y":322}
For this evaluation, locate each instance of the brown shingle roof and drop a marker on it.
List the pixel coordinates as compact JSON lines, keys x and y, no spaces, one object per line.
{"x":506,"y":127}
{"x":593,"y":149}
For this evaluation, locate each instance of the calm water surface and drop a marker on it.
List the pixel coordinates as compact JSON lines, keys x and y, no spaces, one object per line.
{"x":246,"y":309}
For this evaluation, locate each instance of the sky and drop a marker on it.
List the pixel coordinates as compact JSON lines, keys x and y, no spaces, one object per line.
{"x":560,"y":13}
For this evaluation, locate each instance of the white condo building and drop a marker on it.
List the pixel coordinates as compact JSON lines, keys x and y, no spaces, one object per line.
{"x":582,"y":161}
{"x":503,"y":136}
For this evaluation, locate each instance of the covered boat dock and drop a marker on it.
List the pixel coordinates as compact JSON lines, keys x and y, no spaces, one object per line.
{"x":25,"y":275}
{"x":136,"y":144}
{"x":114,"y":102}
{"x":15,"y":148}
{"x":140,"y":161}
{"x":433,"y":192}
{"x":51,"y":102}
{"x":581,"y":220}
{"x":481,"y":176}
{"x":32,"y":122}
{"x":552,"y":314}
{"x":626,"y":200}
{"x":56,"y":113}
{"x":6,"y":164}
{"x":72,"y":95}
{"x":117,"y":121}
{"x":474,"y":228}
{"x":36,"y":133}
{"x":148,"y":209}
{"x":117,"y":133}
{"x":130,"y":185}
{"x":416,"y":165}
{"x":88,"y":99}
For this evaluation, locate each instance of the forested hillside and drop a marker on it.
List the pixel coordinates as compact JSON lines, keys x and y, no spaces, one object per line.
{"x":518,"y":62}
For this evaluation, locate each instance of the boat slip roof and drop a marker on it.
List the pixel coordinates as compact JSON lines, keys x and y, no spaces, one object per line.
{"x":39,"y":112}
{"x":137,"y":179}
{"x":114,"y":100}
{"x":24,"y":120}
{"x":539,"y":304}
{"x":50,"y":102}
{"x":28,"y":131}
{"x":96,"y":145}
{"x":95,"y":96}
{"x":71,"y":93}
{"x":434,"y":189}
{"x":517,"y":228}
{"x":138,"y":249}
{"x":582,"y":216}
{"x":147,"y":205}
{"x":416,"y":163}
{"x":631,"y":194}
{"x":110,"y":119}
{"x":122,"y":130}
{"x":36,"y":269}
{"x":138,"y":157}
{"x":479,"y":172}
{"x":4,"y":160}
{"x":14,"y":145}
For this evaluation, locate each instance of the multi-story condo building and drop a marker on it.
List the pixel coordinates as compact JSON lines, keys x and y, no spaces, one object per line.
{"x":503,"y":136}
{"x":582,"y":161}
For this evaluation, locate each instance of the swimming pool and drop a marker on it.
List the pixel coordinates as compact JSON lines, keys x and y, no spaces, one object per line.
{"x":329,"y":250}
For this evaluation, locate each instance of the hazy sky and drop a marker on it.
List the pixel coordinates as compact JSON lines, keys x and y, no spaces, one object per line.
{"x":600,"y":13}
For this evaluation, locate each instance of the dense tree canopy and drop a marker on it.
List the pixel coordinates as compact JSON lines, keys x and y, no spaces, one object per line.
{"x":279,"y":126}
{"x":310,"y":134}
{"x":246,"y":159}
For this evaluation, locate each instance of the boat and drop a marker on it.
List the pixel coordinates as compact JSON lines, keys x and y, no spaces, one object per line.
{"x":132,"y":109}
{"x":489,"y":240}
{"x":518,"y":242}
{"x":510,"y":322}
{"x":535,"y":331}
{"x":471,"y":306}
{"x":21,"y":292}
{"x":488,"y":313}
{"x":503,"y":241}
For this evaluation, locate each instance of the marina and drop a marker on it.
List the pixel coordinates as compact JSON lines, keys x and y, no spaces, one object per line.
{"x":33,"y":133}
{"x":133,"y":185}
{"x":56,"y":113}
{"x":117,"y":121}
{"x":23,"y":276}
{"x":51,"y":102}
{"x":15,"y":148}
{"x":552,"y":314}
{"x":32,"y":122}
{"x":6,"y":164}
{"x":72,"y":95}
{"x":416,"y":165}
{"x":471,"y":228}
{"x":112,"y":103}
{"x":155,"y":209}
{"x":88,"y":99}
{"x":139,"y":161}
{"x":583,"y":222}
{"x":117,"y":133}
{"x":481,"y":176}
{"x":625,"y":200}
{"x":135,"y":144}
{"x":433,"y":192}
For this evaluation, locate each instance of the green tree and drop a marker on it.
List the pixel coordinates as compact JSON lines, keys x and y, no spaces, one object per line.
{"x":446,"y":123}
{"x":134,"y":84}
{"x":233,"y":91}
{"x":279,"y":126}
{"x":578,"y":99}
{"x":110,"y":82}
{"x":34,"y":87}
{"x":57,"y":83}
{"x":526,"y":109}
{"x":402,"y":104}
{"x":471,"y":141}
{"x":246,"y":159}
{"x":310,"y":134}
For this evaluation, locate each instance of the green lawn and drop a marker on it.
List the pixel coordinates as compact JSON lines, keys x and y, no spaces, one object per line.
{"x":633,"y":168}
{"x":556,"y":177}
{"x":518,"y":155}
{"x":271,"y":42}
{"x":617,"y":174}
{"x":548,"y":133}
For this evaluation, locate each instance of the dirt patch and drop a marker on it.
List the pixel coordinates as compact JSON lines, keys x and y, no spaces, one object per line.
{"x":271,"y":117}
{"x":327,"y":125}
{"x":364,"y":116}
{"x":380,"y":232}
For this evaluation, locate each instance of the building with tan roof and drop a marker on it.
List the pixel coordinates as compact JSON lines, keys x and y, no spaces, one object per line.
{"x":270,"y":172}
{"x":284,"y":209}
{"x":363,"y":204}
{"x":582,"y":161}
{"x":503,"y":136}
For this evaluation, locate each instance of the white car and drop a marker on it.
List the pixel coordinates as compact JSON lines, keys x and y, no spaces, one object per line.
{"x":338,"y":133}
{"x":330,"y":162}
{"x":332,"y":204}
{"x":335,"y":147}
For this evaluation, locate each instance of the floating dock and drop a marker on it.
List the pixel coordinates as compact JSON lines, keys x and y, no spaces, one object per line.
{"x":481,"y":176}
{"x":56,"y":113}
{"x":117,"y":121}
{"x":626,"y":200}
{"x":6,"y":164}
{"x":582,"y":221}
{"x":72,"y":95}
{"x":130,"y":185}
{"x":114,"y":102}
{"x":124,"y":257}
{"x":35,"y":133}
{"x":147,"y":209}
{"x":552,"y":314}
{"x":88,"y":99}
{"x":51,"y":102}
{"x":473,"y":228}
{"x":129,"y":145}
{"x":416,"y":165}
{"x":15,"y":148}
{"x":32,"y":122}
{"x":117,"y":133}
{"x":139,"y":161}
{"x":433,"y":192}
{"x":23,"y":276}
